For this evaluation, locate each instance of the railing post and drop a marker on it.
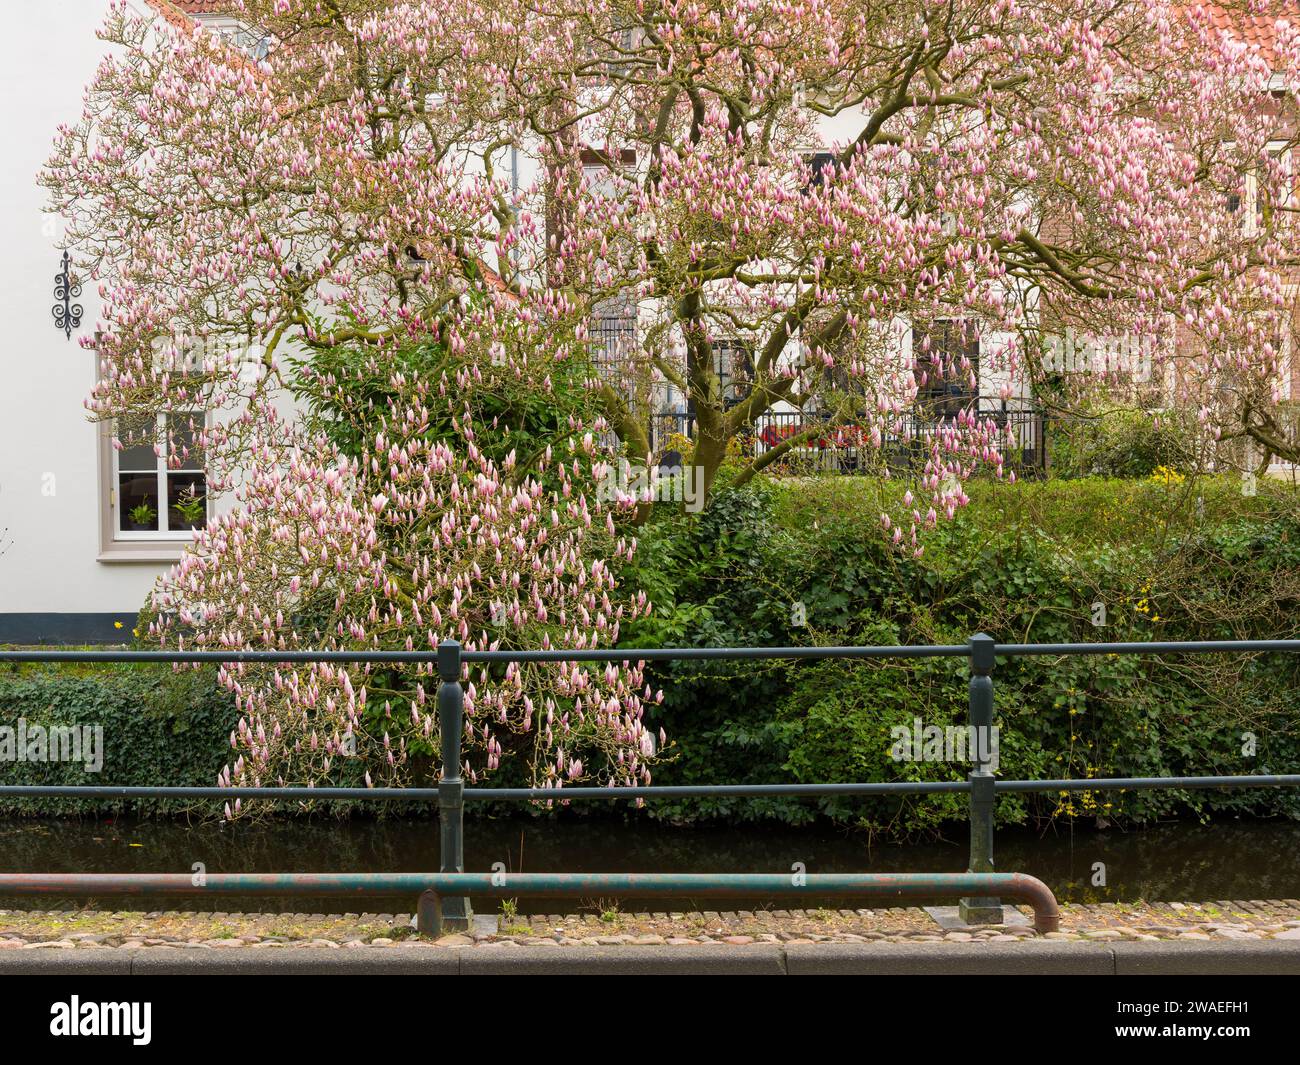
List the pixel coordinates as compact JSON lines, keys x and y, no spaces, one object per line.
{"x":981,"y":910}
{"x":436,"y":915}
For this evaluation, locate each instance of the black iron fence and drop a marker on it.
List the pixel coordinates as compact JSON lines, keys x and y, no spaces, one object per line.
{"x":819,"y":445}
{"x":816,"y":445}
{"x":444,"y":901}
{"x":668,"y":429}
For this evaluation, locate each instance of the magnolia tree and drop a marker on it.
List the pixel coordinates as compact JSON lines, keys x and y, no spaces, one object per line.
{"x":1106,"y":171}
{"x":354,"y":525}
{"x":420,"y":537}
{"x":1030,"y":169}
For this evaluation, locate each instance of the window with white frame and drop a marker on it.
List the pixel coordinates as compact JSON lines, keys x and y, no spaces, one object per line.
{"x":1279,"y":154}
{"x":152,"y":498}
{"x":252,"y":42}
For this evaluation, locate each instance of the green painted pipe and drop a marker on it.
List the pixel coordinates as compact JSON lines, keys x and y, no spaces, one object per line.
{"x":874,"y":886}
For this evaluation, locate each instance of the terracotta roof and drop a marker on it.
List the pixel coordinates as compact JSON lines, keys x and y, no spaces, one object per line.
{"x":171,"y":11}
{"x":1257,"y":31}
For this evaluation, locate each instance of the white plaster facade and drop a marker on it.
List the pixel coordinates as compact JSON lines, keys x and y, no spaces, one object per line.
{"x":50,"y":493}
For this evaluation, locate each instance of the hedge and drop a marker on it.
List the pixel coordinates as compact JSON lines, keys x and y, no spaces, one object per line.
{"x":159,"y":728}
{"x":1168,"y":558}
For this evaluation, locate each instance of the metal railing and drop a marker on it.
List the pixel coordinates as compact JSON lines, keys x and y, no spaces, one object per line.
{"x":444,"y":902}
{"x":666,"y":425}
{"x":848,"y":449}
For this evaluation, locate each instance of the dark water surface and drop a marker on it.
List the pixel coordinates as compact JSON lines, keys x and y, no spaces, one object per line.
{"x":1227,"y":859}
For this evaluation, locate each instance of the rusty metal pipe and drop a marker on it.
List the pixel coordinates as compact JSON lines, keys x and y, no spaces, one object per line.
{"x":875,"y":886}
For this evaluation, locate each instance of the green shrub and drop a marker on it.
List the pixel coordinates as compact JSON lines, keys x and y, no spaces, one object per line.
{"x":159,"y":728}
{"x":1025,"y":563}
{"x":1168,"y":559}
{"x":1120,"y":444}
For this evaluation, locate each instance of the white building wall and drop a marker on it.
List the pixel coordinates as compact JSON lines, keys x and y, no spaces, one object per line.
{"x":49,"y":455}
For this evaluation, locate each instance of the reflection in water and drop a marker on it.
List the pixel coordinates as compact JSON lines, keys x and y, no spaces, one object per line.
{"x":1223,"y":860}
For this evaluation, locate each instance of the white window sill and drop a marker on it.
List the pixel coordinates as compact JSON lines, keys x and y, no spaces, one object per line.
{"x":143,"y":551}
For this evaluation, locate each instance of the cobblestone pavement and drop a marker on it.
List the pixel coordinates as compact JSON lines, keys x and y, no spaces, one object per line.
{"x":86,"y":929}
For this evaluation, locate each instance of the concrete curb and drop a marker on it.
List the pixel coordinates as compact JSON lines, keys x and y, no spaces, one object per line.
{"x":1231,"y":958}
{"x":1035,"y":958}
{"x":1029,"y":957}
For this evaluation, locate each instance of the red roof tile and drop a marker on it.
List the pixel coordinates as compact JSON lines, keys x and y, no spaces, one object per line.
{"x":172,"y":13}
{"x":1256,"y":30}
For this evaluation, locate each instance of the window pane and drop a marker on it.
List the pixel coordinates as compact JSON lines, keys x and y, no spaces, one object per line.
{"x":137,"y":502}
{"x":944,"y":387}
{"x":734,"y":365}
{"x":187,"y":501}
{"x":137,"y":436}
{"x":820,"y":163}
{"x":183,"y":428}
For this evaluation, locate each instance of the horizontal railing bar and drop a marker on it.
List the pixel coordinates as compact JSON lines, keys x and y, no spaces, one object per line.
{"x":650,"y":654}
{"x":662,"y":791}
{"x":1148,"y":783}
{"x":89,"y":791}
{"x":683,"y":791}
{"x":555,"y":655}
{"x":97,"y":791}
{"x":218,"y":656}
{"x":555,"y":885}
{"x":1156,"y":647}
{"x":695,"y":654}
{"x":908,"y":787}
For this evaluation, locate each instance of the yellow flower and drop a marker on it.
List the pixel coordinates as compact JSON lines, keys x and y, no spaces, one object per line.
{"x":117,"y":624}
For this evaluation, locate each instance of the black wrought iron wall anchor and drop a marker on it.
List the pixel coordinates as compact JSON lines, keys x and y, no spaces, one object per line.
{"x":67,"y":314}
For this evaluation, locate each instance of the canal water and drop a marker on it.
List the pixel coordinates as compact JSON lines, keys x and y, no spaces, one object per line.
{"x":1228,"y":859}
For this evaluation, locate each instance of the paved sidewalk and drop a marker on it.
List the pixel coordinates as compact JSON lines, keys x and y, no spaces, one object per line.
{"x":1224,"y":937}
{"x":1030,"y":957}
{"x":1276,"y":920}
